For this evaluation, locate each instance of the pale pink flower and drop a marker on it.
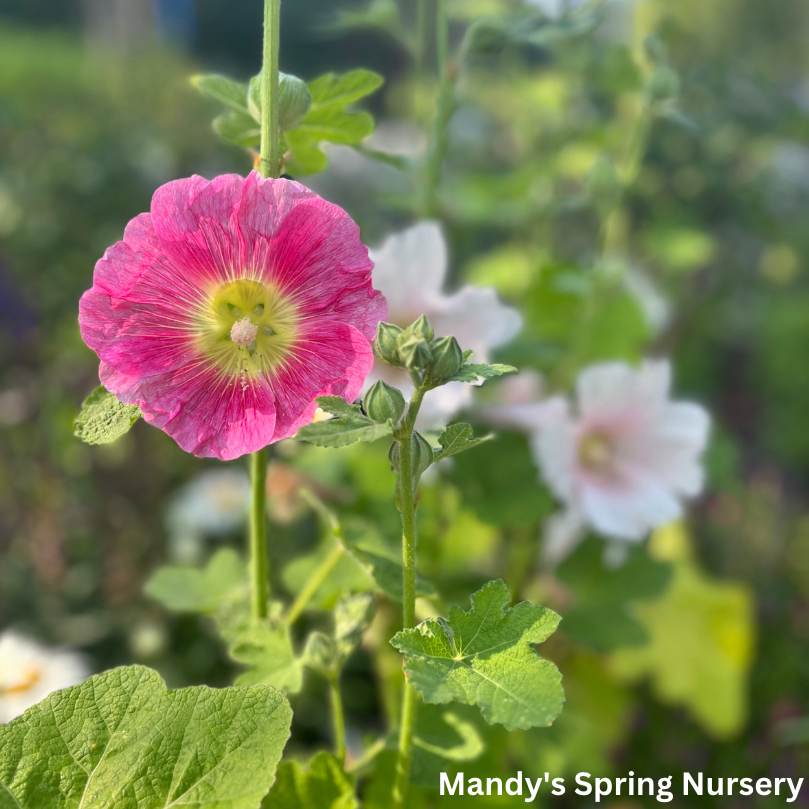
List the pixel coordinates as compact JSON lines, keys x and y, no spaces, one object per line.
{"x":30,"y":671}
{"x":229,"y":308}
{"x":410,"y":270}
{"x":625,"y":460}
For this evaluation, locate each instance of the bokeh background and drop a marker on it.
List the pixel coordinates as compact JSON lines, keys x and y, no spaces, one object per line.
{"x":96,"y":110}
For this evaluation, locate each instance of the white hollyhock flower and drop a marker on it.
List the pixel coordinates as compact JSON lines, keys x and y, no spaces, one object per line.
{"x":410,"y":269}
{"x":625,"y":460}
{"x":29,"y":672}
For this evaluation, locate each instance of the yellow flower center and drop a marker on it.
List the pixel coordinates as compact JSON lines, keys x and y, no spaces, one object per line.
{"x":30,"y":678}
{"x":246,"y":326}
{"x":596,"y":453}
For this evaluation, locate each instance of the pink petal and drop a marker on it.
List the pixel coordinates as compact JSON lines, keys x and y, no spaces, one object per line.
{"x":329,"y":359}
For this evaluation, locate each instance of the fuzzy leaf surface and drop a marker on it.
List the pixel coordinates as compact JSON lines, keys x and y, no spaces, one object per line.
{"x":458,"y":438}
{"x":341,"y":432}
{"x":473,"y":371}
{"x":232,"y":94}
{"x":485,"y":657}
{"x":122,"y":739}
{"x":329,"y":120}
{"x":103,"y":418}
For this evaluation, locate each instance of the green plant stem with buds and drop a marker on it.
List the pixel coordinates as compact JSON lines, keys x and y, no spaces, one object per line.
{"x":407,"y":492}
{"x":269,"y":167}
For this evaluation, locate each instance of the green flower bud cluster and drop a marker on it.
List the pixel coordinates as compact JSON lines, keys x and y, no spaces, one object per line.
{"x":434,"y":360}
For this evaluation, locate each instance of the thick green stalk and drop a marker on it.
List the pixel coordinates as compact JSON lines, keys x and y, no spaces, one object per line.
{"x":407,"y":492}
{"x":270,"y":161}
{"x":337,"y":717}
{"x":259,"y":559}
{"x":269,"y":167}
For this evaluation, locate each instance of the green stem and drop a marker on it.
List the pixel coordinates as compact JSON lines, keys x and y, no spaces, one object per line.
{"x":439,"y":139}
{"x":259,"y":561}
{"x":270,"y":162}
{"x":314,"y":582}
{"x":269,"y":166}
{"x":337,"y":717}
{"x":408,"y":499}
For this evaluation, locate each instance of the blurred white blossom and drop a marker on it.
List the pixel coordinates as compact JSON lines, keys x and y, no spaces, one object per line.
{"x":30,"y":671}
{"x":410,"y":271}
{"x":214,"y":504}
{"x":624,"y":461}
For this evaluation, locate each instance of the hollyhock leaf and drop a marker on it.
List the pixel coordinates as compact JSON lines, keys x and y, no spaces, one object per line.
{"x":122,"y":739}
{"x":265,"y":648}
{"x":328,"y":119}
{"x":702,"y":634}
{"x":442,"y":735}
{"x":337,"y":406}
{"x":485,"y":657}
{"x":206,"y":591}
{"x":324,"y":784}
{"x":103,"y":418}
{"x":333,"y":90}
{"x":606,"y":599}
{"x":239,"y":129}
{"x":458,"y":438}
{"x":342,"y":432}
{"x":472,"y":372}
{"x":232,"y":94}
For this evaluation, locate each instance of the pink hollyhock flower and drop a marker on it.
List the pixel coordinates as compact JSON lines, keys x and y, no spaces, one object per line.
{"x":229,"y":307}
{"x":625,"y":461}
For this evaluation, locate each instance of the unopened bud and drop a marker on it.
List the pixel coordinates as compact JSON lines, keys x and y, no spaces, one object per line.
{"x":415,"y":353}
{"x":422,"y":328}
{"x":447,"y":358}
{"x":385,"y":345}
{"x":294,"y":100}
{"x":383,"y":402}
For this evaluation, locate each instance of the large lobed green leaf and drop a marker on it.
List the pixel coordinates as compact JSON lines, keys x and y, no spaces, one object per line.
{"x":103,"y":418}
{"x":121,"y":739}
{"x":484,"y":657}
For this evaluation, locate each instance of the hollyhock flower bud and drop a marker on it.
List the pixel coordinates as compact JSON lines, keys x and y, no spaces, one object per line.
{"x":229,"y":308}
{"x":628,"y":457}
{"x":422,"y":329}
{"x":383,"y":402}
{"x":386,"y":344}
{"x":447,"y":358}
{"x":415,"y":352}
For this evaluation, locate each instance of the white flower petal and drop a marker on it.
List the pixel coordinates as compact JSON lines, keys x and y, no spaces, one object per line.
{"x":409,"y":270}
{"x":30,"y":672}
